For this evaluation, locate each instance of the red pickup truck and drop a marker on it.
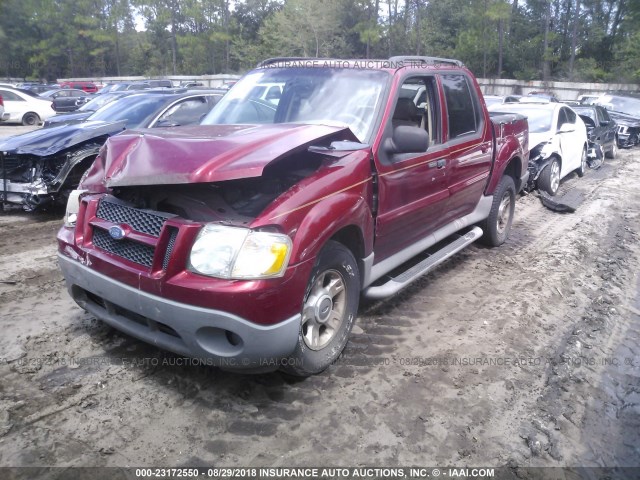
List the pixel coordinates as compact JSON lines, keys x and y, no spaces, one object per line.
{"x":247,"y":241}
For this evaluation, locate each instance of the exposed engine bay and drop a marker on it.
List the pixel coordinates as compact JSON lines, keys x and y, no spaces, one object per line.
{"x":234,"y":201}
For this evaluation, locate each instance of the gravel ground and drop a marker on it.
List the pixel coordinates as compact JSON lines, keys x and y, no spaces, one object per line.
{"x":525,"y":355}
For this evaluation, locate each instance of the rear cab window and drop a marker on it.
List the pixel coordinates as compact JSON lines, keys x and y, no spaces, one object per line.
{"x":463,"y":110}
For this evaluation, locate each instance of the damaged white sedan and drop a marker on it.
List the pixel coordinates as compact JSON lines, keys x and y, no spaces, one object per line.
{"x":558,"y":141}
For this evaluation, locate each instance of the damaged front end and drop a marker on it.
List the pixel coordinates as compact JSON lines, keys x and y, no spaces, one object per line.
{"x":34,"y":181}
{"x":540,"y":157}
{"x":42,"y":167}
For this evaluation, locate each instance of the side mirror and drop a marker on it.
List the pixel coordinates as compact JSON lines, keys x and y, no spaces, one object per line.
{"x":406,"y":139}
{"x":566,"y":128}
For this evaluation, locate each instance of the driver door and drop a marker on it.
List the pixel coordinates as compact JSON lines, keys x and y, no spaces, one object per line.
{"x":412,"y":186}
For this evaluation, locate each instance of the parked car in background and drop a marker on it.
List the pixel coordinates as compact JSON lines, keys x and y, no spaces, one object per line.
{"x":25,"y":108}
{"x":3,"y":116}
{"x":602,"y":131}
{"x":557,"y":141}
{"x":86,"y":109}
{"x":124,"y":86}
{"x":497,"y":99}
{"x":587,"y":99}
{"x":43,"y":166}
{"x":550,"y":96}
{"x":190,"y":84}
{"x":65,"y":99}
{"x":159,"y":83}
{"x":625,"y":111}
{"x":88,"y":87}
{"x":37,"y":88}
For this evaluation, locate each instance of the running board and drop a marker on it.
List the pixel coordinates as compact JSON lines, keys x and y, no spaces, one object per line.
{"x":395,"y":284}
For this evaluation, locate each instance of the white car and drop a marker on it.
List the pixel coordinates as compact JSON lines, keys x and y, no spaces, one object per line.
{"x":557,"y":141}
{"x":24,"y":108}
{"x":3,"y":116}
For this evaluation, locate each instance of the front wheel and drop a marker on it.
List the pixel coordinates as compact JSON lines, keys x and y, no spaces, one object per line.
{"x":498,"y":224}
{"x":328,"y":312}
{"x":549,"y":179}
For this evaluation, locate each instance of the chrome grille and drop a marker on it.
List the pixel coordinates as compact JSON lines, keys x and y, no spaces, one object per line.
{"x":133,"y":251}
{"x":139,"y":220}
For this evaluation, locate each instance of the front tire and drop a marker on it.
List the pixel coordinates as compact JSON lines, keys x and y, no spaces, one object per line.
{"x":30,"y":119}
{"x":328,"y":312}
{"x":549,"y":179}
{"x":497,"y":226}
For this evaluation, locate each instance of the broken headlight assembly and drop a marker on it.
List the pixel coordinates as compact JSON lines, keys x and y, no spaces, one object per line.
{"x":541,"y":151}
{"x":73,"y":206}
{"x":239,"y":253}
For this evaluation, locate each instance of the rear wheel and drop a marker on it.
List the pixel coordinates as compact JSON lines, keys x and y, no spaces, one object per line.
{"x":549,"y":179}
{"x":30,"y":119}
{"x":613,"y":151}
{"x":328,"y":312}
{"x":582,"y":169}
{"x":498,"y":224}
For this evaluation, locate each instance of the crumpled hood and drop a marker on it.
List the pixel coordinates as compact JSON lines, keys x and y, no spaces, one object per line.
{"x":51,"y":140}
{"x":67,"y":118}
{"x":201,"y":154}
{"x":624,"y":119}
{"x":536,"y":139}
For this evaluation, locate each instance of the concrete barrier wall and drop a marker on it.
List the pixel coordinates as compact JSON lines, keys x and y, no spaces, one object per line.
{"x":562,"y":90}
{"x":206,"y":80}
{"x":490,"y":86}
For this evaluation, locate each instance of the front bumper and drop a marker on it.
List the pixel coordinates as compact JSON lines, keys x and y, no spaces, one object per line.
{"x":4,"y":117}
{"x":212,"y":336}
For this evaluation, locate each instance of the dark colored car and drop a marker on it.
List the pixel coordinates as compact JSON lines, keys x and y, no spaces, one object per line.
{"x":247,"y":241}
{"x":43,"y":166}
{"x":41,"y":88}
{"x":65,"y":99}
{"x":86,"y":109}
{"x":602,"y":131}
{"x":625,"y":111}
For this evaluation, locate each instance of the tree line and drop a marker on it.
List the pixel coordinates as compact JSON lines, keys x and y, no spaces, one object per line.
{"x":570,"y":40}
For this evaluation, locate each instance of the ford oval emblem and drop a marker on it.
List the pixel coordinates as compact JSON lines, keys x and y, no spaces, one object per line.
{"x":117,"y":233}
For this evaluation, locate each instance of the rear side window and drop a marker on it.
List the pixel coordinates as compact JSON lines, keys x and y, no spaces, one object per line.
{"x":11,"y":97}
{"x":462,"y":107}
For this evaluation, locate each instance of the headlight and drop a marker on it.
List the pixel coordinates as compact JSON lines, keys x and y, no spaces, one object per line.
{"x":239,"y":253}
{"x":73,"y":206}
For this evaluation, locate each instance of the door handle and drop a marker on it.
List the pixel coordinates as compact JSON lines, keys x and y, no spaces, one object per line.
{"x":438,"y":164}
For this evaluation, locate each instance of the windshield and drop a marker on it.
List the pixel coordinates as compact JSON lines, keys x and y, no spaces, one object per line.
{"x":98,"y":102}
{"x":134,"y":109}
{"x":630,"y":106}
{"x":586,"y":112}
{"x":328,"y":96}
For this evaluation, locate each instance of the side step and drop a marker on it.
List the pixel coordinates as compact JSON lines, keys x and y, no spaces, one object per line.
{"x":395,"y":284}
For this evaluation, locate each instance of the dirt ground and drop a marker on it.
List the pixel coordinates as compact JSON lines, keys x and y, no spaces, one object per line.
{"x":525,"y":355}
